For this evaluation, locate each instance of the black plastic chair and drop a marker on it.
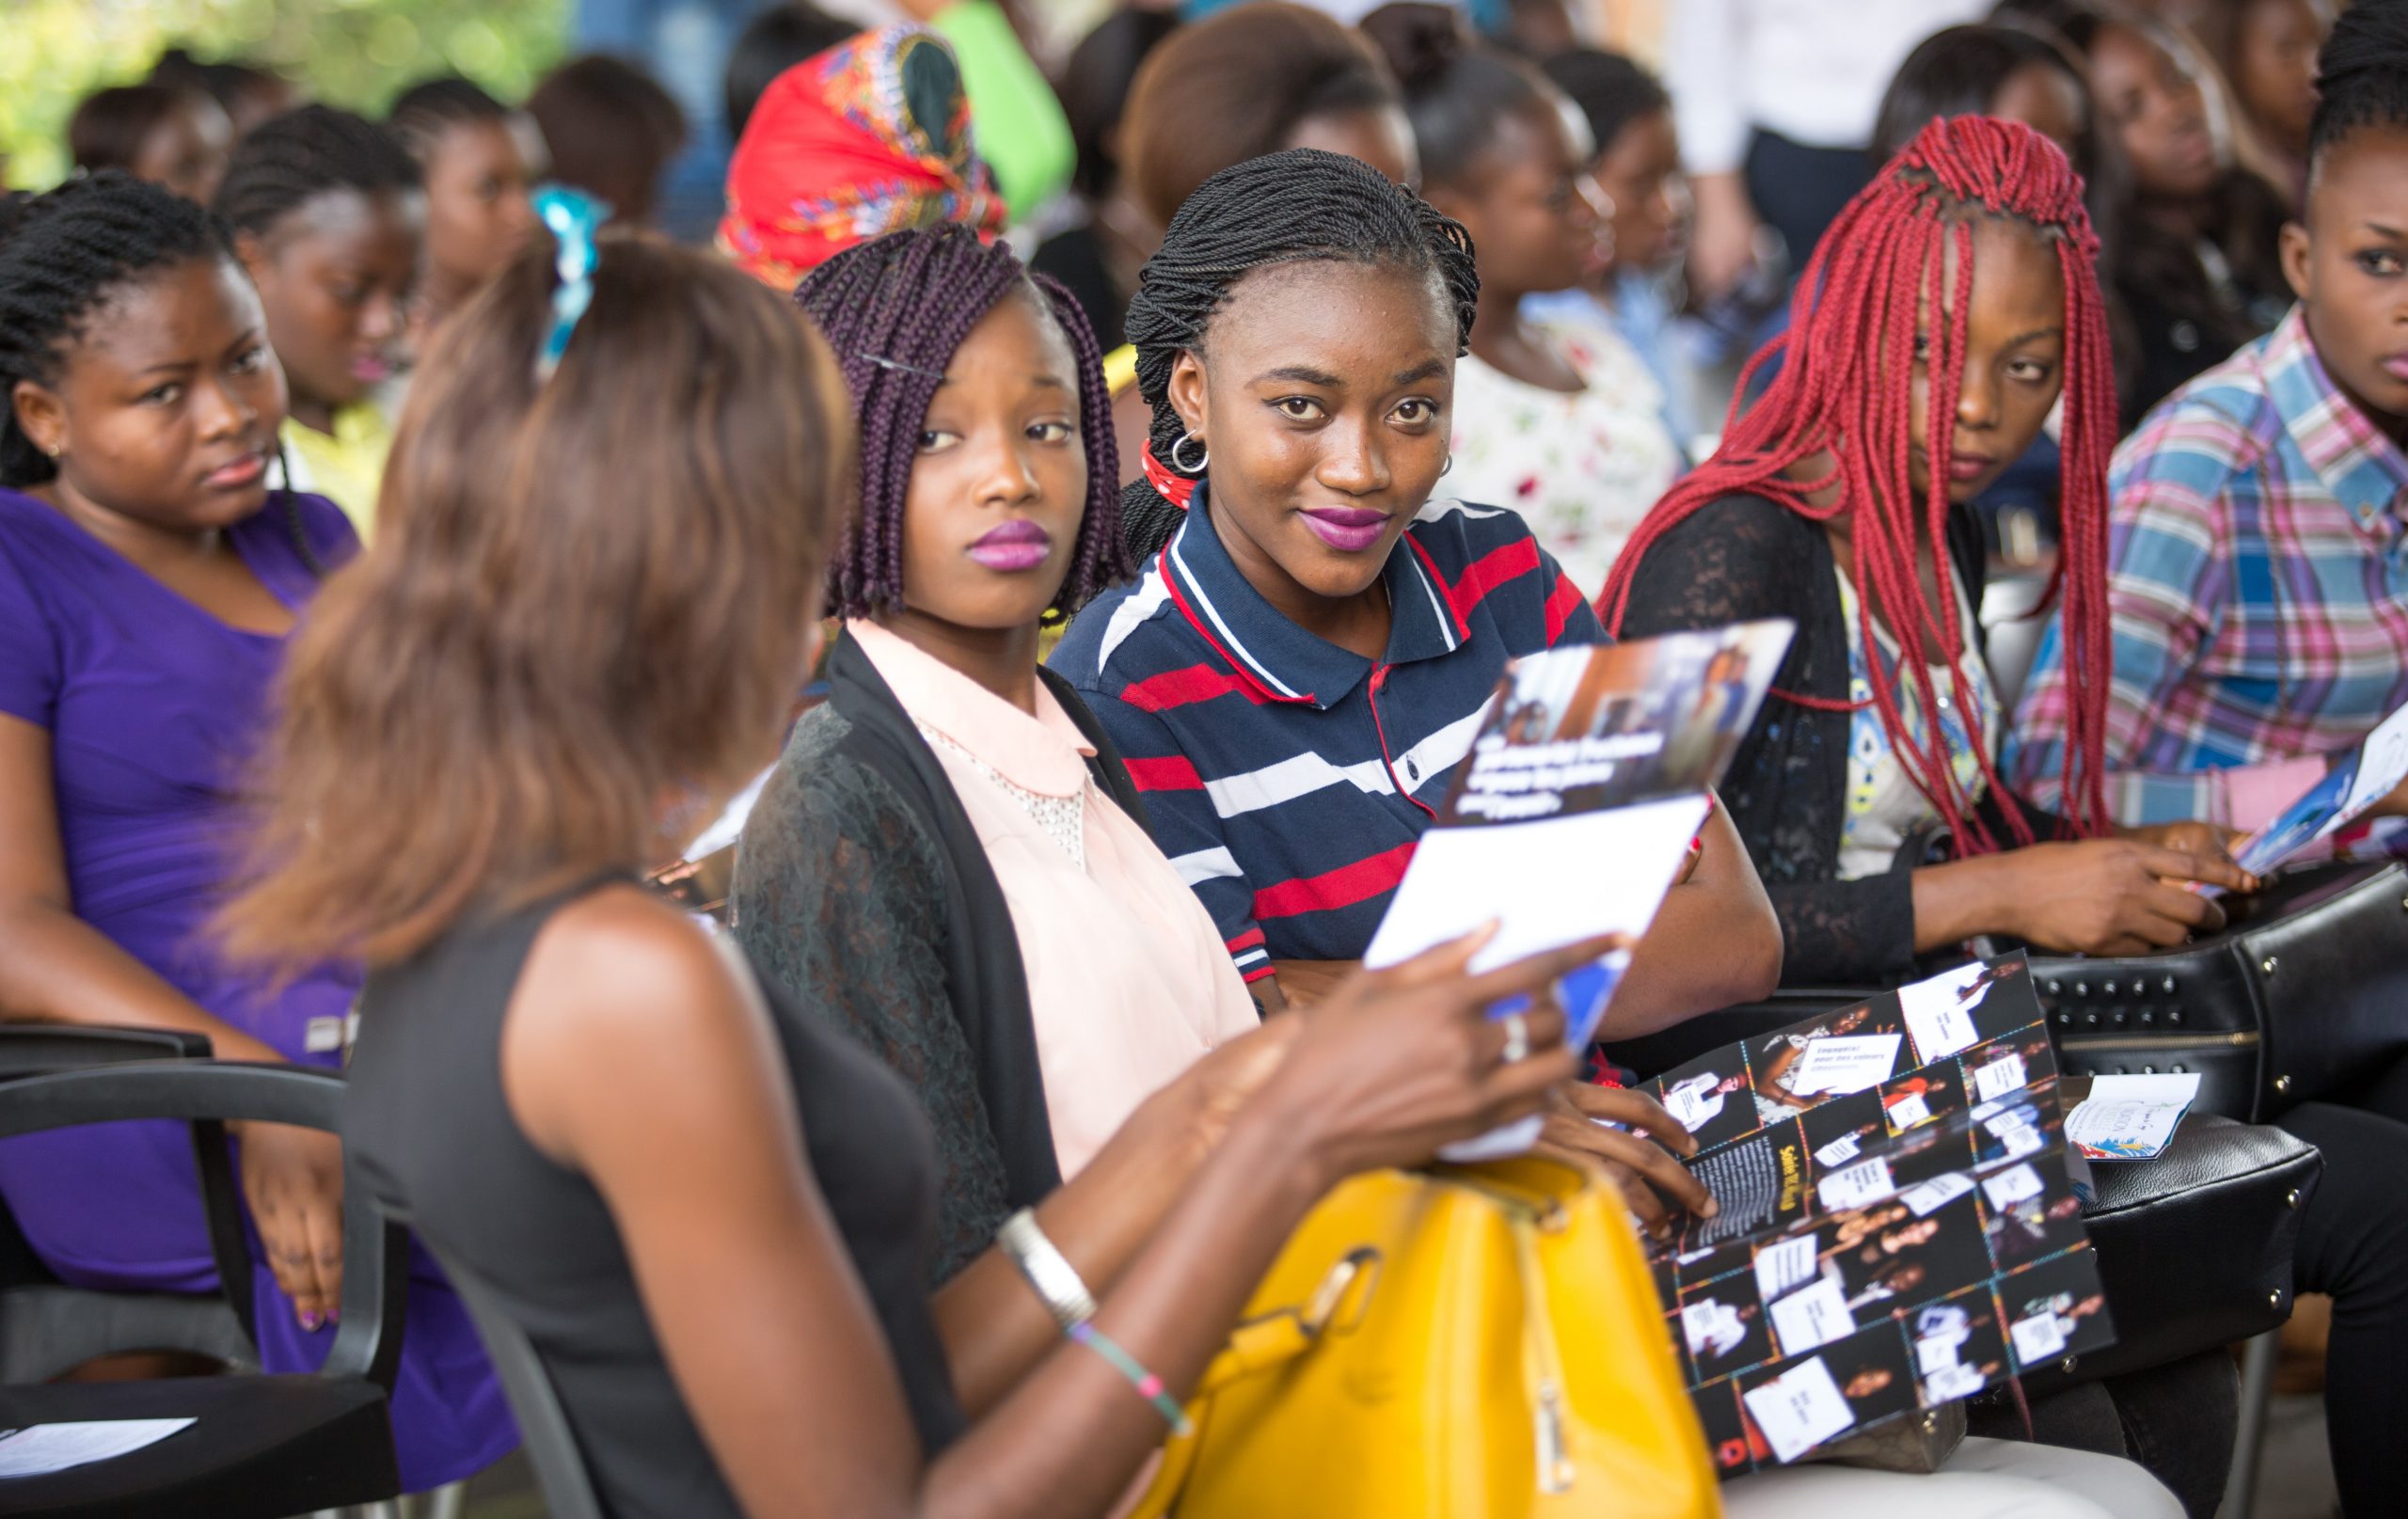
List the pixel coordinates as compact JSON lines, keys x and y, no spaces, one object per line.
{"x":261,"y":1446}
{"x":544,"y":1430}
{"x":48,"y":1327}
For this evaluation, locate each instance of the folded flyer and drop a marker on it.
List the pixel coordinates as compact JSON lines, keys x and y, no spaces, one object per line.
{"x":2126,"y":1118}
{"x":2359,"y":778}
{"x":1576,"y":810}
{"x":1897,"y":1230}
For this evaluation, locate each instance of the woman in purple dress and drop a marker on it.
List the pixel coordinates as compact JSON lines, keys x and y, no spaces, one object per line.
{"x":148,"y":581}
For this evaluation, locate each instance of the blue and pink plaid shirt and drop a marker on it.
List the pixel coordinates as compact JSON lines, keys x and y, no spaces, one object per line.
{"x":2258,"y":579}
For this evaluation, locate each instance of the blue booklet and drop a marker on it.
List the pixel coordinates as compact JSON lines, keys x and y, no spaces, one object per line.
{"x":2359,"y":778}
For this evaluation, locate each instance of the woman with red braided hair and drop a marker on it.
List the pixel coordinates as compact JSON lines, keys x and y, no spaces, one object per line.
{"x":1940,"y":320}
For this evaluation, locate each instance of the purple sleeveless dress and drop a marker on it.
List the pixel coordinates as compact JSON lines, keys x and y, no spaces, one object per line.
{"x":153,"y":706}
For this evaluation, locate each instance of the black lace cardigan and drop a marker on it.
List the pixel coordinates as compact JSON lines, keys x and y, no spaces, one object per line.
{"x":862,"y":887}
{"x":1741,"y":558}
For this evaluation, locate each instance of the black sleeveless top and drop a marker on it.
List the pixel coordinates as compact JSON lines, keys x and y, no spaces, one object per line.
{"x":426,"y":1120}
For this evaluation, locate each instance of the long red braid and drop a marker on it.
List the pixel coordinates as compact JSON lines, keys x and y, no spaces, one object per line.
{"x":1856,"y":303}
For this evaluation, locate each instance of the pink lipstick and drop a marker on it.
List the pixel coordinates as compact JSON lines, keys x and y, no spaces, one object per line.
{"x":1012,"y":548}
{"x":1350,"y":530}
{"x":236,"y":473}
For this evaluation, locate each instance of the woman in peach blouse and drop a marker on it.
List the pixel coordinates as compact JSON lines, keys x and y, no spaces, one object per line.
{"x":950,"y":858}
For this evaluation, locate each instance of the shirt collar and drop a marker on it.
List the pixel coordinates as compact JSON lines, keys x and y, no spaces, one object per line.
{"x":1045,"y":753}
{"x":2362,"y":468}
{"x":1281,"y":661}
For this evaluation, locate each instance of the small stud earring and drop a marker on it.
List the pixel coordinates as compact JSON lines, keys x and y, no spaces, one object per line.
{"x":54,"y":451}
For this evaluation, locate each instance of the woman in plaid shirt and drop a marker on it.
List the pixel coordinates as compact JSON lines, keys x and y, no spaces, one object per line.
{"x":2258,"y":589}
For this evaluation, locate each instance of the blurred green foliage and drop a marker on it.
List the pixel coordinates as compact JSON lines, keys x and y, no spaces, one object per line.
{"x":352,"y":52}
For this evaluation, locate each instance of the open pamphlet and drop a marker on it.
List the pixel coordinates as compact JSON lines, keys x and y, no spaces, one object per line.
{"x":2359,"y":778}
{"x":1896,"y":1231}
{"x":2126,"y":1117}
{"x":1577,"y":809}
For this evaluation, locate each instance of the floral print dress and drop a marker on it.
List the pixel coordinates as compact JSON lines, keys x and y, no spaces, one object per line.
{"x":1582,"y":468}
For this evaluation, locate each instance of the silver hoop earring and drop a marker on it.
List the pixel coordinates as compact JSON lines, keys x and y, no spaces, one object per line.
{"x":1203,"y":454}
{"x":1446,"y":468}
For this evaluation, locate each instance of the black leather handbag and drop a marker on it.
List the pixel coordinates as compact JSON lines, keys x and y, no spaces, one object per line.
{"x":2303,"y":992}
{"x":2195,"y":1247}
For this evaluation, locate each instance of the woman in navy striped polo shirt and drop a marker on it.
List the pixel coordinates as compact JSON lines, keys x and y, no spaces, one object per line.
{"x":1305,"y":654}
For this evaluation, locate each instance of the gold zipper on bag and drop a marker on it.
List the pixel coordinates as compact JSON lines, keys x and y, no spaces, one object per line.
{"x":1555,"y":1470}
{"x":2245,"y":1039}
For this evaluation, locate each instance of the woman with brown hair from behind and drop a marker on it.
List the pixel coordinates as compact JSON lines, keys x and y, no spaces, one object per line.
{"x":581,"y":632}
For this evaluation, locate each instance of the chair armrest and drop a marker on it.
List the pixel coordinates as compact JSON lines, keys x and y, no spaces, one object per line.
{"x":32,"y":1049}
{"x":374,"y":1272}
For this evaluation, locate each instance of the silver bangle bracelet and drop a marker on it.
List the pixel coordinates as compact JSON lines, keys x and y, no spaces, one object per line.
{"x":1055,"y":1280}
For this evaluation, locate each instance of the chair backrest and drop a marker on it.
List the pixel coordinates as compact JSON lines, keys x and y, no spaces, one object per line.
{"x":543,"y":1424}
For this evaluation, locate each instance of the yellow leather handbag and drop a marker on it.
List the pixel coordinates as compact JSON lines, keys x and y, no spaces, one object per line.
{"x":1478,"y":1342}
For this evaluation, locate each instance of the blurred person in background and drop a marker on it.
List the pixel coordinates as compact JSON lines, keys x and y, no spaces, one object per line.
{"x":2196,"y":264}
{"x":247,"y":93}
{"x":2009,"y":71}
{"x":473,"y":155}
{"x":174,"y":137}
{"x":1025,"y":137}
{"x":2266,"y":51}
{"x":1098,"y":259}
{"x":1256,"y":79}
{"x":770,"y":43}
{"x":2019,"y":74}
{"x":1776,"y":101}
{"x":1637,"y":170}
{"x":612,"y":131}
{"x":328,"y":217}
{"x":1560,"y":421}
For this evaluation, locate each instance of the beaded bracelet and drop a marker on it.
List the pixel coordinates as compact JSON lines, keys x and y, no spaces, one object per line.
{"x":1148,"y":1385}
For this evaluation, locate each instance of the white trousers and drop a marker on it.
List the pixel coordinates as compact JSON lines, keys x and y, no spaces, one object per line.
{"x":1984,"y":1479}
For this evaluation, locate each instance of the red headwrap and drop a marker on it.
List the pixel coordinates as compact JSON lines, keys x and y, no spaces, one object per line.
{"x":869,"y":138}
{"x":1175,"y":488}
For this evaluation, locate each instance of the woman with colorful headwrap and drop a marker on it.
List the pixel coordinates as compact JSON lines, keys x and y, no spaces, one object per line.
{"x":868,"y":139}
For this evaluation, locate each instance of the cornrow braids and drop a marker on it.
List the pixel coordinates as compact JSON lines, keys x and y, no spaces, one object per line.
{"x":1296,"y":206}
{"x":62,"y":255}
{"x":2361,"y":75}
{"x":1844,"y":387}
{"x":290,"y":160}
{"x":895,"y":309}
{"x":425,"y":111}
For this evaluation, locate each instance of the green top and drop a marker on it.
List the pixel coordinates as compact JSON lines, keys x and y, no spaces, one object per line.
{"x":1022,"y":132}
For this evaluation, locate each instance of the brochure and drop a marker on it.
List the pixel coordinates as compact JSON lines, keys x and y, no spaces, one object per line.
{"x":1585,"y":755}
{"x":39,"y":1449}
{"x":1897,"y":1229}
{"x":2359,"y":778}
{"x":2126,"y":1117}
